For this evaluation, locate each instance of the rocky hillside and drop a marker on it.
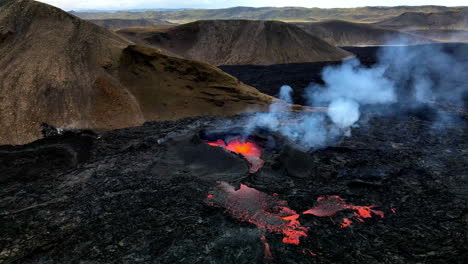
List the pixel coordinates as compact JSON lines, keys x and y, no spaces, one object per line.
{"x":342,"y":33}
{"x":114,"y":24}
{"x":59,"y":69}
{"x":418,"y":20}
{"x":239,"y":42}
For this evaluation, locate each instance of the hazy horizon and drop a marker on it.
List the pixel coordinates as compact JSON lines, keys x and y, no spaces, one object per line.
{"x":116,"y":5}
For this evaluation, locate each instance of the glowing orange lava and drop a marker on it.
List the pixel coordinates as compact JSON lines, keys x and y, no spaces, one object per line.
{"x":269,"y":213}
{"x":346,"y":223}
{"x":265,"y":211}
{"x":249,"y":150}
{"x":330,"y":205}
{"x":267,"y":250}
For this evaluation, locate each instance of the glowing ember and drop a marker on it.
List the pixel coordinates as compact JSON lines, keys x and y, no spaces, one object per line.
{"x":327,"y":206}
{"x":308,"y":251}
{"x":346,"y":223}
{"x":264,"y":211}
{"x":330,"y":205}
{"x":271,"y":214}
{"x":249,"y":150}
{"x":266,"y":246}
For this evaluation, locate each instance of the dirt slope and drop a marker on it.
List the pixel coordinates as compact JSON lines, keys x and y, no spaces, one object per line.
{"x":343,"y":33}
{"x":439,"y":20}
{"x":114,"y":24}
{"x":169,"y":88}
{"x":238,"y":42}
{"x":59,"y":69}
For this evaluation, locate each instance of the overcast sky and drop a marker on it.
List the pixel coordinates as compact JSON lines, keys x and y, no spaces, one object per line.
{"x":134,"y":4}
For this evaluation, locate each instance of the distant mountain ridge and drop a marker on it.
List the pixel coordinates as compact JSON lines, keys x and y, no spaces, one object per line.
{"x":343,"y":33}
{"x":113,"y":24}
{"x":128,"y":10}
{"x":289,"y":14}
{"x":238,"y":42}
{"x":417,"y":20}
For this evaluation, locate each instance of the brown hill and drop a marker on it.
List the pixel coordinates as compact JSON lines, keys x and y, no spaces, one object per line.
{"x":343,"y":33}
{"x":59,"y":69}
{"x":443,"y":35}
{"x":418,"y":21}
{"x":113,"y":24}
{"x":238,"y":42}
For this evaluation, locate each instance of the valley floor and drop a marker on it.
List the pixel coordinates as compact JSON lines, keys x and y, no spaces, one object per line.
{"x":138,"y":195}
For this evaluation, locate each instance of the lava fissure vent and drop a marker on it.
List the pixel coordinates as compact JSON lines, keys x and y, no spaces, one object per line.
{"x":245,"y":147}
{"x":271,"y":214}
{"x":265,"y":211}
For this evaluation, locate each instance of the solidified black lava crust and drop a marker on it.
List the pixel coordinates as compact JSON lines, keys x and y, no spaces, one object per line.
{"x":269,"y":79}
{"x":138,"y":195}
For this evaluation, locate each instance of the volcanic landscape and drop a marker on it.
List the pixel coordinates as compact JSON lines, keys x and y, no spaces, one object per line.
{"x":362,"y":159}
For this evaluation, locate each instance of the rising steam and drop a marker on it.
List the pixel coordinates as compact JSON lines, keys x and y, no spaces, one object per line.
{"x":405,"y":77}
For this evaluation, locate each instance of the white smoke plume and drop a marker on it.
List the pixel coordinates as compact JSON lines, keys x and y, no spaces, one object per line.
{"x":349,"y":86}
{"x":344,"y":112}
{"x":404,"y":77}
{"x":310,"y":131}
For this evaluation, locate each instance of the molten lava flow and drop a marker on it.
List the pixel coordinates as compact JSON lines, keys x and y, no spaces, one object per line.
{"x":249,"y":150}
{"x":271,"y":214}
{"x":327,"y":206}
{"x":266,"y":246}
{"x":264,"y":211}
{"x":346,"y":223}
{"x":330,"y":205}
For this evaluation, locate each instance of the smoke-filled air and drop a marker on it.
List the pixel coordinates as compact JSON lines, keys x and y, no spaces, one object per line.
{"x":402,"y":79}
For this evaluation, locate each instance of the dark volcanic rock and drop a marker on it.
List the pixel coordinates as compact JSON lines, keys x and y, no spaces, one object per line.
{"x":190,"y":154}
{"x":269,"y":79}
{"x":138,"y":196}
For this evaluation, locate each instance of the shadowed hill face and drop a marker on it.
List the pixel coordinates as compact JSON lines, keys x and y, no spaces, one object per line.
{"x":342,"y":33}
{"x":59,"y":69}
{"x":238,"y":42}
{"x":416,"y":20}
{"x":114,"y":24}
